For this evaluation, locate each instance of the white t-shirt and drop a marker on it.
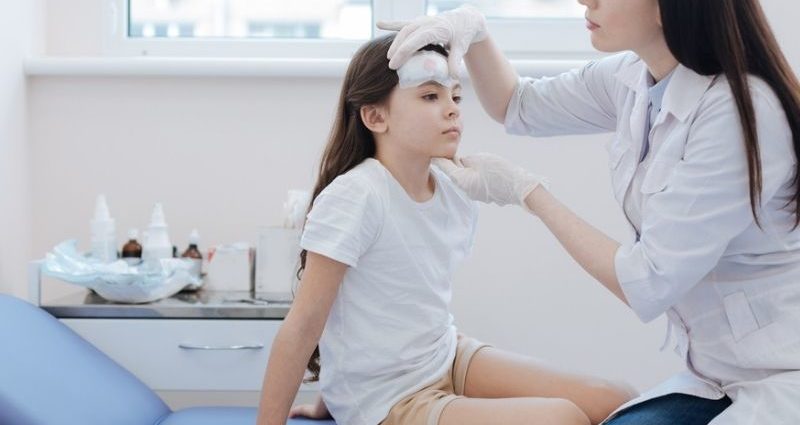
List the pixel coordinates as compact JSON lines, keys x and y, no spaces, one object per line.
{"x":390,"y":332}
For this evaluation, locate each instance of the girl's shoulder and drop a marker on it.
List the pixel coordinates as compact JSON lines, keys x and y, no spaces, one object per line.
{"x":368,"y":174}
{"x":368,"y":169}
{"x":365,"y":181}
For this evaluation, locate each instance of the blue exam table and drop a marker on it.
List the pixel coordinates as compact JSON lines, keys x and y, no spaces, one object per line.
{"x":49,"y":375}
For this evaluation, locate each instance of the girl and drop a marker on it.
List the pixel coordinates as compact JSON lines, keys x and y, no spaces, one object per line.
{"x":383,"y":237}
{"x":704,"y":164}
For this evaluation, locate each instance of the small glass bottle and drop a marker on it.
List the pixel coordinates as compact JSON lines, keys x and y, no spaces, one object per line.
{"x":194,"y":253}
{"x":132,"y":250}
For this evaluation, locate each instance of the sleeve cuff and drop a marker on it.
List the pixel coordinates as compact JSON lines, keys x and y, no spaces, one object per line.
{"x":322,"y":248}
{"x":636,"y":283}
{"x":513,"y":121}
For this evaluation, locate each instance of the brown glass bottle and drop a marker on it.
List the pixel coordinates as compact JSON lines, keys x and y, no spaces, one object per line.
{"x":194,"y":253}
{"x":132,"y":250}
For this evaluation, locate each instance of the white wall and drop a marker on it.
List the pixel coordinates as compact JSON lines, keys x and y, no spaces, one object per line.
{"x":221,"y":153}
{"x":19,"y":26}
{"x":783,"y":16}
{"x":74,"y":27}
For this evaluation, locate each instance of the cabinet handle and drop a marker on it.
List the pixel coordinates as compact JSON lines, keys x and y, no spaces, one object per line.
{"x":221,"y":347}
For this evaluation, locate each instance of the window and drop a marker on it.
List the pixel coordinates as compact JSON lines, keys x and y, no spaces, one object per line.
{"x":530,"y":28}
{"x":238,"y":19}
{"x":324,"y":28}
{"x":515,"y":9}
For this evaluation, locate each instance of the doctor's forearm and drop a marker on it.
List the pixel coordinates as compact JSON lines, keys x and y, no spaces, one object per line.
{"x":591,"y":248}
{"x":492,"y":76}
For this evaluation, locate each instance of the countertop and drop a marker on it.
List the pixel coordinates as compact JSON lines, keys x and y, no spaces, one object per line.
{"x":183,"y":305}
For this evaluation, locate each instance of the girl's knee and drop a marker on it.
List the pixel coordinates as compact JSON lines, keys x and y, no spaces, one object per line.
{"x":620,"y":392}
{"x":567,"y":412}
{"x":609,"y":396}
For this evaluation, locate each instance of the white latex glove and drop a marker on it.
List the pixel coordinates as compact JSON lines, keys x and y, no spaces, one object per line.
{"x":456,"y":29}
{"x":490,"y":178}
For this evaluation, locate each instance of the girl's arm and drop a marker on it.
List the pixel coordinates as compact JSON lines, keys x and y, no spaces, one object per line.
{"x":298,"y":336}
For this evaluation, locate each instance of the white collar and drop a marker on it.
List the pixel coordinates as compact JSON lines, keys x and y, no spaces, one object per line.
{"x":684,"y":92}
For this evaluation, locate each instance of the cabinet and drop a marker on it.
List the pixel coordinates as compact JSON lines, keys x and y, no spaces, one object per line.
{"x":189,"y":343}
{"x":185,"y":355}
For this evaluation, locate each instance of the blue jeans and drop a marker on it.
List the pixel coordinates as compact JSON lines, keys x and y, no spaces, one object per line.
{"x":672,"y":409}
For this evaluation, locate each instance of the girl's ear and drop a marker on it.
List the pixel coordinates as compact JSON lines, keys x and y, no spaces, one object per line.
{"x":374,"y":118}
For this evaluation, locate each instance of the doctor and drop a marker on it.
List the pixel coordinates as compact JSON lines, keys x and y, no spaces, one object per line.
{"x":706,"y":115}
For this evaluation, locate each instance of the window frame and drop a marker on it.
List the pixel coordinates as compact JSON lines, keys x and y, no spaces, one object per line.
{"x":518,"y":38}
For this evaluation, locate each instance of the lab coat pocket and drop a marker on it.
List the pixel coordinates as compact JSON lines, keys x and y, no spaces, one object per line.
{"x":772,"y":346}
{"x":658,"y":175}
{"x":740,"y":316}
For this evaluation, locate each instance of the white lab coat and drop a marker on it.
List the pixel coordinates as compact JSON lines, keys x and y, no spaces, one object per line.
{"x":731,"y":291}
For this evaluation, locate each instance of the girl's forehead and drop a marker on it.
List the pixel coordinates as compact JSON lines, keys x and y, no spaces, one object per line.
{"x":427,"y":86}
{"x":425,"y":67}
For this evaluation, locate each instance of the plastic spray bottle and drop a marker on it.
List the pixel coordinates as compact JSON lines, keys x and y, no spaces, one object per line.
{"x":103,"y":240}
{"x":157,"y":245}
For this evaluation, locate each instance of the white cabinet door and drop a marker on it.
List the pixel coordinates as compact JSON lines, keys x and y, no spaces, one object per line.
{"x":171,"y":354}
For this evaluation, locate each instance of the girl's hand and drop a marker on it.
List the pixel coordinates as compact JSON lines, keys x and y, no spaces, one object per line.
{"x":457,"y":29}
{"x":490,"y":178}
{"x":311,"y":411}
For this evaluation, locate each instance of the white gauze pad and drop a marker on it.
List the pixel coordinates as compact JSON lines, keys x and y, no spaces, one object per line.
{"x":425,"y":66}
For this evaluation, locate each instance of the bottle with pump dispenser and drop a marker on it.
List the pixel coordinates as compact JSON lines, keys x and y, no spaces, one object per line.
{"x":193,"y":253}
{"x":157,"y":245}
{"x":103,"y":239}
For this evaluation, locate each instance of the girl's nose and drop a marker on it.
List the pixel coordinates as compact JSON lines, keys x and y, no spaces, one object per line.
{"x":453,"y":110}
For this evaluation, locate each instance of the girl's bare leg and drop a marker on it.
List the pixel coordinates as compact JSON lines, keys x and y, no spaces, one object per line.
{"x":512,"y":411}
{"x":497,"y":374}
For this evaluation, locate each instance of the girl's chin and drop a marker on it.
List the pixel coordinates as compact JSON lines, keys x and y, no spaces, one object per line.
{"x":449,"y":150}
{"x":445,"y":154}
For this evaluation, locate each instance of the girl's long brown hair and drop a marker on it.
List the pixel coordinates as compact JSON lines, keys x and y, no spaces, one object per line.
{"x":368,"y":81}
{"x":732,"y":37}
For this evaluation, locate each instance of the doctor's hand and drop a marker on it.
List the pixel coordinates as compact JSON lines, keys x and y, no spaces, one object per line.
{"x":457,"y":29}
{"x":490,"y":178}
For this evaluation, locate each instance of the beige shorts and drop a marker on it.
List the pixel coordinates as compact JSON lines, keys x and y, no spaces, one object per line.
{"x":426,"y":405}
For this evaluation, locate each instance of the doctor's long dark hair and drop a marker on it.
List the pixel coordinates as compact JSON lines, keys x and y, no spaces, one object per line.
{"x":732,"y":37}
{"x":368,"y":81}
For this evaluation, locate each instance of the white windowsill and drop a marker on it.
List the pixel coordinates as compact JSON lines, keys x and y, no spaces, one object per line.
{"x":231,"y":67}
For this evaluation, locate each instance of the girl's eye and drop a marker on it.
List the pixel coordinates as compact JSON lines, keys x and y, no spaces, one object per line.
{"x":431,"y":96}
{"x":457,"y":99}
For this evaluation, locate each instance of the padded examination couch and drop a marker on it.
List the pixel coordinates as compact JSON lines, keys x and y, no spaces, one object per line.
{"x":49,"y":375}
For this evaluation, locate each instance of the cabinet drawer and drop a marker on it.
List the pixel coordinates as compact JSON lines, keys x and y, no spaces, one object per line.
{"x":211,"y":355}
